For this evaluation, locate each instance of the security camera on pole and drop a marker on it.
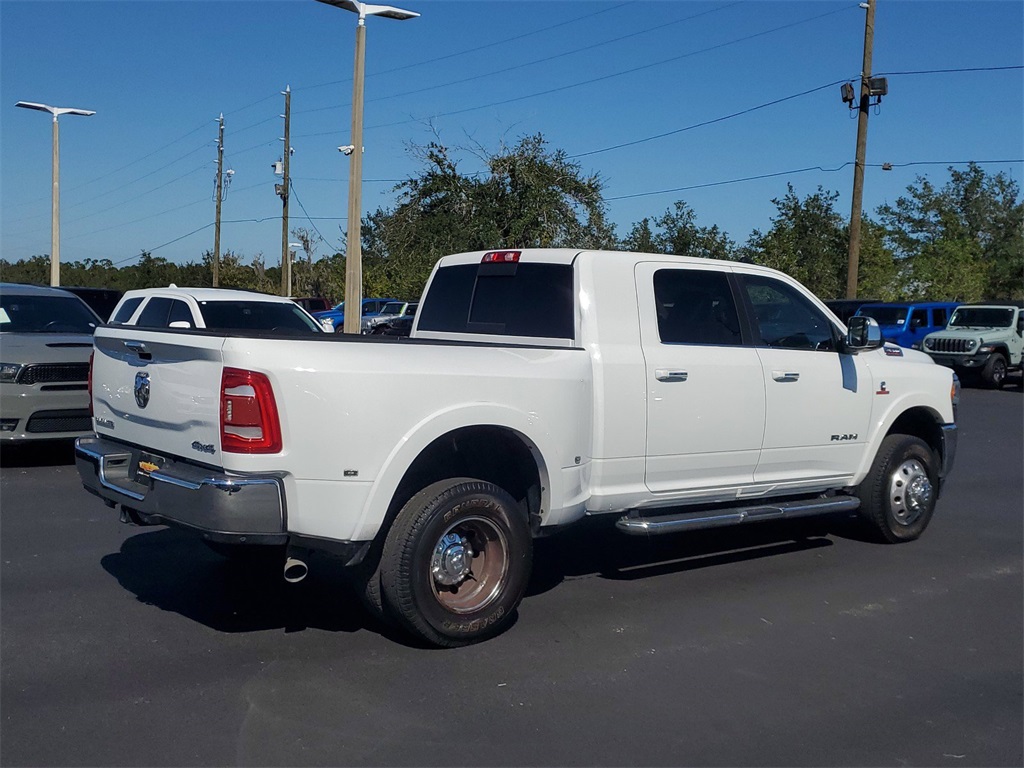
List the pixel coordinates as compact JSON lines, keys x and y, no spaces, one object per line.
{"x":353,"y":251}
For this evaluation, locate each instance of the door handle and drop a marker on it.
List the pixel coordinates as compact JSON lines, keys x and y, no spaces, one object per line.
{"x":139,"y":349}
{"x":785,"y":375}
{"x":663,"y":374}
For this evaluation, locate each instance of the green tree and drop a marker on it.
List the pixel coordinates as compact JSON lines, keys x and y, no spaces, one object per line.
{"x":964,"y":241}
{"x":808,"y":240}
{"x":676,"y":231}
{"x":527,"y":197}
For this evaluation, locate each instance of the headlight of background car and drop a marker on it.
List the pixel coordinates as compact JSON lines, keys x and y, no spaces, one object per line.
{"x":971,"y":343}
{"x":9,"y":371}
{"x":930,"y":343}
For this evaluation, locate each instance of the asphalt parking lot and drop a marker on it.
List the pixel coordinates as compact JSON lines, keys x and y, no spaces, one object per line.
{"x":770,"y":645}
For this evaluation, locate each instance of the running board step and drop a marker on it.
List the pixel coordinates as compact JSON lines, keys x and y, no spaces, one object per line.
{"x":637,"y":525}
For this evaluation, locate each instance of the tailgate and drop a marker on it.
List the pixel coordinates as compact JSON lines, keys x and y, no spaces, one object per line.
{"x":159,"y":390}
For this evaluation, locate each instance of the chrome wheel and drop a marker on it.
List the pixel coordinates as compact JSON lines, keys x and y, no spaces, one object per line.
{"x":910,"y":492}
{"x":469,"y":565}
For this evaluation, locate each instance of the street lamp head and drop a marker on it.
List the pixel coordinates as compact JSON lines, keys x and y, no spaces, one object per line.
{"x":55,"y":111}
{"x":366,"y":9}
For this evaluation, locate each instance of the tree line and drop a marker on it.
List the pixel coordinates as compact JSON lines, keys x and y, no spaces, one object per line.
{"x":963,"y":241}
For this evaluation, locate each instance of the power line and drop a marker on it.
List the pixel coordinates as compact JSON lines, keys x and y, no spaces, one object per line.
{"x":485,"y":47}
{"x":620,"y":73}
{"x":795,"y":171}
{"x":523,"y":65}
{"x":947,"y":71}
{"x":310,"y":218}
{"x":708,"y":122}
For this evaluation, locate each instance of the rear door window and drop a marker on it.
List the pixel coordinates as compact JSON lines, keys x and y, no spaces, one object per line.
{"x":125,"y":311}
{"x":154,"y":314}
{"x":695,"y":307}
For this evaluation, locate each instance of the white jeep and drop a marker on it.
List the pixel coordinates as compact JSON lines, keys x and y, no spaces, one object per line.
{"x":981,"y":340}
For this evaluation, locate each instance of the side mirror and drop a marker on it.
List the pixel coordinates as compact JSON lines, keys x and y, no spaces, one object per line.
{"x":862,"y":335}
{"x":180,"y":324}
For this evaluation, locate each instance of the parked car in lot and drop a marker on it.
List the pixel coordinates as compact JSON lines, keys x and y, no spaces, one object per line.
{"x":400,"y":326}
{"x":45,"y":343}
{"x":389,"y":313}
{"x":337,"y":314}
{"x":907,"y":324}
{"x":100,"y":300}
{"x":844,"y":309}
{"x":981,"y":341}
{"x":313,"y":303}
{"x":212,"y":309}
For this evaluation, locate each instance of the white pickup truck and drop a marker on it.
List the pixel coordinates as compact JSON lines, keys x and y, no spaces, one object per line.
{"x":538,"y":387}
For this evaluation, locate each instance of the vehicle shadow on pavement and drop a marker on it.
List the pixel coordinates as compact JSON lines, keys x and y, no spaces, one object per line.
{"x":596,"y":547}
{"x":45,"y":453}
{"x":176,"y":572}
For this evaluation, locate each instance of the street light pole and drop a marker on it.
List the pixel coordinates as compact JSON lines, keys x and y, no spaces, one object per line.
{"x":353,"y":244}
{"x":55,"y":193}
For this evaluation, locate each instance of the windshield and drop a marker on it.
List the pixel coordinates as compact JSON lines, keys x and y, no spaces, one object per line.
{"x":392,"y":308}
{"x":981,"y":317}
{"x":885,"y":315}
{"x":257,"y":316}
{"x":45,"y":314}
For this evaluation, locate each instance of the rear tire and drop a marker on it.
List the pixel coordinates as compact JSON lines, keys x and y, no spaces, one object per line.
{"x":898,"y":496}
{"x":456,"y":562}
{"x":994,"y":373}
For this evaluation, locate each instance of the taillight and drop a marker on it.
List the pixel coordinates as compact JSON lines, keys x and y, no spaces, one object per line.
{"x":248,"y":413}
{"x":89,"y":380}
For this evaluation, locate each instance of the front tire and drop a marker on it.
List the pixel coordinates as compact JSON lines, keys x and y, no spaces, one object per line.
{"x":994,"y":373}
{"x":898,"y":496}
{"x":456,"y":562}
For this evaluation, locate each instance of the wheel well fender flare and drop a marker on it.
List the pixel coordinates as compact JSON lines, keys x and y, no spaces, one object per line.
{"x":535,"y":437}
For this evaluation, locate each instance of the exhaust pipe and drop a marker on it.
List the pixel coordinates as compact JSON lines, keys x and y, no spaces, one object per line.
{"x":295,"y":570}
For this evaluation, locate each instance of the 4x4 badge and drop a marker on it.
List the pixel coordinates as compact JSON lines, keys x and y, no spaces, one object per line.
{"x":142,"y":389}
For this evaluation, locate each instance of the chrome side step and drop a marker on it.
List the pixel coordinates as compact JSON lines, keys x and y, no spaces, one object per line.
{"x":634,"y":523}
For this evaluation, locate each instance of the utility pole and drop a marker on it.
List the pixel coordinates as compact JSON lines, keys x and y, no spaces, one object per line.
{"x":219,"y":194}
{"x":853,"y":261}
{"x":353,"y":237}
{"x":283,"y":190}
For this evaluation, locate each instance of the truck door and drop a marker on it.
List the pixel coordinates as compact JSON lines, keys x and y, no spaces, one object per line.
{"x":705,"y":392}
{"x":818,"y":401}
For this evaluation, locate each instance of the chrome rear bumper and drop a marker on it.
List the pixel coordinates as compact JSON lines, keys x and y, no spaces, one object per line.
{"x":222,"y":507}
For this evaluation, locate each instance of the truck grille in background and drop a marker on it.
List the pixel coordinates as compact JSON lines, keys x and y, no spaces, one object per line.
{"x":949,"y":345}
{"x":52,"y":372}
{"x":74,"y":420}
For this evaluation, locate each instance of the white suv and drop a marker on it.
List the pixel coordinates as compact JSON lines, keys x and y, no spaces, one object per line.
{"x":981,"y":340}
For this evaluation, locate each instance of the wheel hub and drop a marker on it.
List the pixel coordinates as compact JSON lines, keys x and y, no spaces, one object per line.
{"x":910,"y":492}
{"x":452,"y":560}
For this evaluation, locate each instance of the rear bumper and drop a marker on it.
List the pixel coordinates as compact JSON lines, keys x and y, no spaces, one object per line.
{"x":230,"y":508}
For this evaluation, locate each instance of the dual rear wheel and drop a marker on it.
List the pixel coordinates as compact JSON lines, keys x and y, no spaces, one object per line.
{"x":454,"y":565}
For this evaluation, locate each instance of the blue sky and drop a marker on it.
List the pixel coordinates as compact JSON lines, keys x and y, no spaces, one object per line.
{"x":665,"y":100}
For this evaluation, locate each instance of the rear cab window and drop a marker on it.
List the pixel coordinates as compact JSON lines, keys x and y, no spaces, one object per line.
{"x":532,"y":300}
{"x":265,"y":316}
